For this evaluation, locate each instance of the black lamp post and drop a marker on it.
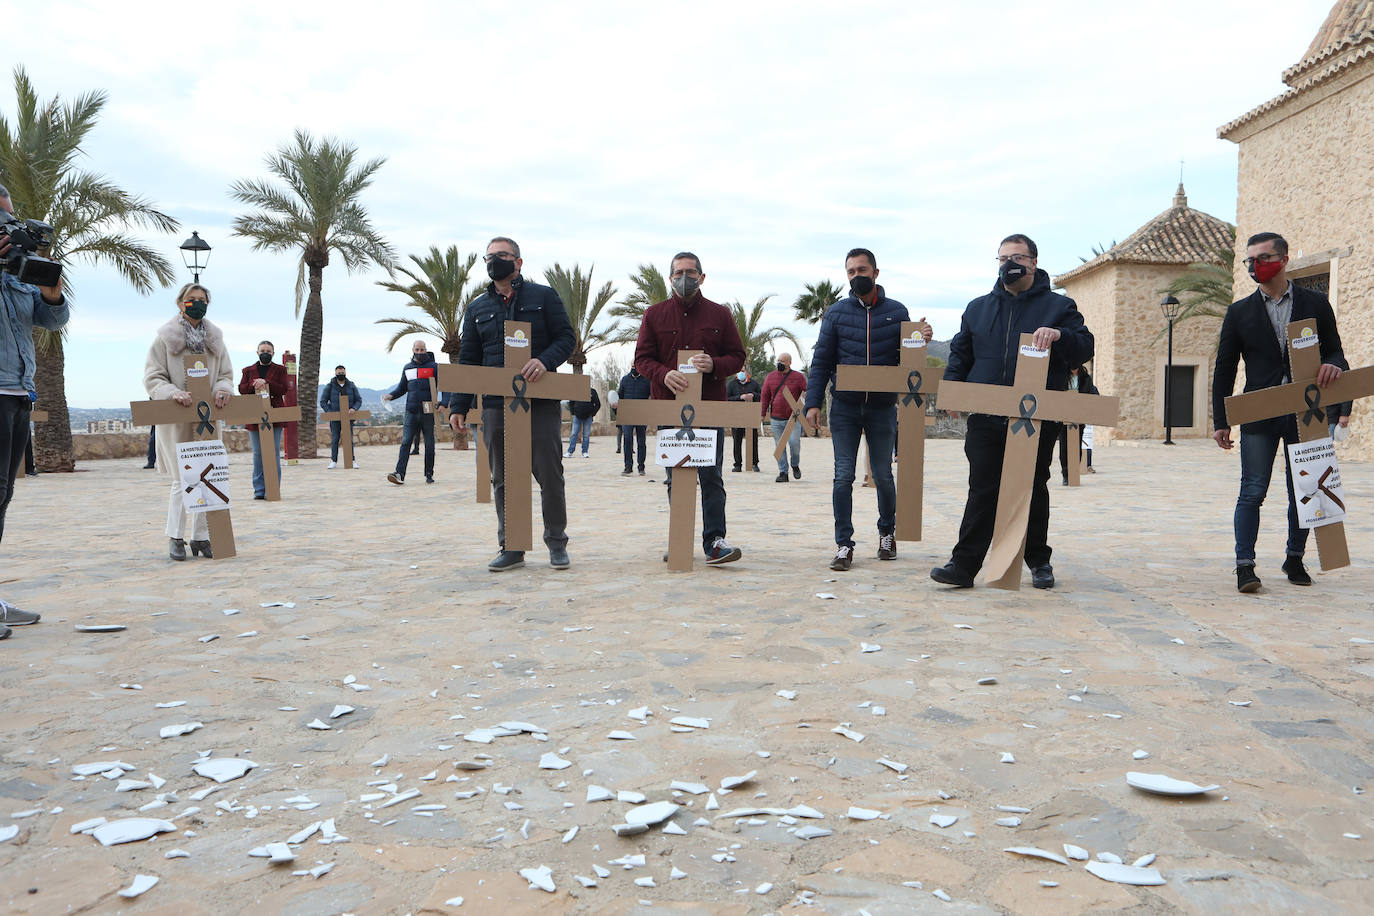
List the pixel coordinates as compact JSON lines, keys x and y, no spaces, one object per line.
{"x":1170,"y":307}
{"x":195,"y":253}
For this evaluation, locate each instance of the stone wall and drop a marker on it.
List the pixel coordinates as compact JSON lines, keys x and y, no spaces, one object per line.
{"x":1304,"y":171}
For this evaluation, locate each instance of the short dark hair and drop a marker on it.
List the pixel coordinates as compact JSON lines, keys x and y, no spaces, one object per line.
{"x":269,"y":343}
{"x":684,"y":254}
{"x":1259,"y":238}
{"x":1024,"y":240}
{"x":509,"y":241}
{"x":337,"y":368}
{"x":864,"y":252}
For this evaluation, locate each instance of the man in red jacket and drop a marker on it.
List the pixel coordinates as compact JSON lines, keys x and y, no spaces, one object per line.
{"x":777,"y":410}
{"x":264,"y":375}
{"x":690,"y":321}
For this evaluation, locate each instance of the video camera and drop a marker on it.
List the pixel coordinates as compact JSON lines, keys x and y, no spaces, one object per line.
{"x":27,"y":238}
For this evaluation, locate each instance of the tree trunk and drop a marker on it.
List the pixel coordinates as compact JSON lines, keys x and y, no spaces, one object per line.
{"x":460,"y":438}
{"x":52,"y":440}
{"x":312,"y":335}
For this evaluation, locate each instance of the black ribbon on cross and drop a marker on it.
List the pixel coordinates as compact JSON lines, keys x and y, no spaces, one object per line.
{"x":266,"y":422}
{"x":686,"y":432}
{"x":518,"y":384}
{"x":1321,"y":488}
{"x":1313,"y":396}
{"x":913,"y":390}
{"x":204,"y":426}
{"x":1027,"y":414}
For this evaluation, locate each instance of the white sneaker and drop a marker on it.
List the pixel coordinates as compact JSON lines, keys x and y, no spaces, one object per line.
{"x":355,"y":465}
{"x":331,"y":465}
{"x":586,"y":455}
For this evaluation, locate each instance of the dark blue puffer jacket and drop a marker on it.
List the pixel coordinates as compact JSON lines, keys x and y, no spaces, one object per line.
{"x":414,"y":384}
{"x":633,"y":387}
{"x":989,"y":339}
{"x":853,"y":334}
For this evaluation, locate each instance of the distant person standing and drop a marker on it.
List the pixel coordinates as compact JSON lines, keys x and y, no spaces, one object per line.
{"x":633,"y":387}
{"x":414,"y":384}
{"x":1082,"y":383}
{"x":264,"y":375}
{"x":583,"y":413}
{"x":743,"y":387}
{"x":778,"y":411}
{"x":333,"y":395}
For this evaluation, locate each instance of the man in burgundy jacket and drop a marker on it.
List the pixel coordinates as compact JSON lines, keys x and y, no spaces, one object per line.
{"x":690,"y":321}
{"x":777,"y":410}
{"x":264,"y":375}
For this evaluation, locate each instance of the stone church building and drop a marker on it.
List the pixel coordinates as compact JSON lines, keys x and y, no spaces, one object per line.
{"x":1118,"y":293}
{"x":1307,"y":171}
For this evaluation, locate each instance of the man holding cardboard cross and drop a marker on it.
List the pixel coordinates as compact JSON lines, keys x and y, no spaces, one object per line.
{"x":1256,"y":329}
{"x":985,"y":352}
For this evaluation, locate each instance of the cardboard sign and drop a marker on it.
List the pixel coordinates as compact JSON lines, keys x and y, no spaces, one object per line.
{"x":204,"y":470}
{"x":676,"y":450}
{"x":1316,"y":482}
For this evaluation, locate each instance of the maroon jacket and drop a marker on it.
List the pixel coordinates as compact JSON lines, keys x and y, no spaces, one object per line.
{"x":773,"y":397}
{"x":276,"y":384}
{"x":698,"y":324}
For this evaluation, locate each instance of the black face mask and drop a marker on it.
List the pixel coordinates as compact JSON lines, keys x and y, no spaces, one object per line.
{"x":782,"y":367}
{"x":500,"y":268}
{"x":265,"y":358}
{"x":1011,"y":271}
{"x":861,"y":286}
{"x":341,"y":379}
{"x":197,"y":309}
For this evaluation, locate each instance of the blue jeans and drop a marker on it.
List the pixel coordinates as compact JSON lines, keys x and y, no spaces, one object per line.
{"x":1256,"y":469}
{"x":580,"y":426}
{"x":793,"y":442}
{"x":259,"y":483}
{"x":879,"y":426}
{"x":712,"y":496}
{"x":416,"y":423}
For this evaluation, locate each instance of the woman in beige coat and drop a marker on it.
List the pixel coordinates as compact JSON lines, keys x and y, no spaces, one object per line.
{"x":164,"y":377}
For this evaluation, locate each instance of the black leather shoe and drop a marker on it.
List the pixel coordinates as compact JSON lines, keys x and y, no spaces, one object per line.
{"x":1246,"y":580}
{"x":201,"y":549}
{"x":507,"y":559}
{"x":558,"y":558}
{"x":736,"y":469}
{"x":176,"y":548}
{"x":796,"y":472}
{"x":949,"y":574}
{"x":1296,"y":572}
{"x":1043,"y":576}
{"x":781,"y":478}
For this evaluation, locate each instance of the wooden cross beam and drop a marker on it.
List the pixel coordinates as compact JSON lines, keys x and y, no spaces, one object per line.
{"x":474,"y":422}
{"x":798,"y":416}
{"x":242,"y":408}
{"x":345,"y":417}
{"x":1073,"y":459}
{"x":1026,"y":402}
{"x":686,"y":410}
{"x":1311,"y":405}
{"x":268,"y":417}
{"x":508,"y":382}
{"x":913,"y":380}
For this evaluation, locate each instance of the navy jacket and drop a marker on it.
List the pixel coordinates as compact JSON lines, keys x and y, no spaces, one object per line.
{"x":989,"y":339}
{"x":853,"y":334}
{"x":484,"y":332}
{"x":633,"y":386}
{"x":330,"y":394}
{"x":585,"y":410}
{"x":414,"y":384}
{"x":1246,"y":332}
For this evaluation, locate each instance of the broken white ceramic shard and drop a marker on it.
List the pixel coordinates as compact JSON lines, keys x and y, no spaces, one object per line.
{"x":1036,"y":853}
{"x":405,"y":796}
{"x":672,"y":828}
{"x":799,"y":811}
{"x":893,"y":765}
{"x":140,"y":884}
{"x":211,"y":638}
{"x":248,"y":634}
{"x":944,"y":820}
{"x":91,"y":769}
{"x":1110,"y":858}
{"x":810,"y":832}
{"x":1078,"y":853}
{"x":1008,"y":822}
{"x":384,"y":760}
{"x":690,"y":722}
{"x":599,"y":793}
{"x":940,"y":894}
{"x":1239,"y":702}
{"x":325,"y":868}
{"x":676,"y":874}
{"x":1126,"y":874}
{"x":733,"y":782}
{"x":585,"y":881}
{"x":340,"y":711}
{"x":848,"y":733}
{"x":787,"y":694}
{"x":962,"y":626}
{"x":1161,"y":784}
{"x":130,"y":830}
{"x":1144,"y":861}
{"x":280,"y":853}
{"x":9,"y":833}
{"x":518,"y":727}
{"x":646,"y":881}
{"x":631,"y":797}
{"x":222,"y":769}
{"x":305,"y":833}
{"x":1013,"y":809}
{"x":601,"y":872}
{"x":825,"y":596}
{"x":879,"y":710}
{"x":101,"y":628}
{"x":862,"y":814}
{"x":620,"y":736}
{"x":84,"y":826}
{"x":712,"y":804}
{"x":652,"y":813}
{"x":567,"y":837}
{"x":176,"y":854}
{"x":129,"y":785}
{"x":1007,"y":757}
{"x":629,"y":829}
{"x":691,"y":788}
{"x":986,"y":681}
{"x":639,"y":713}
{"x":185,"y":728}
{"x":865,"y":648}
{"x":1140,"y":755}
{"x":552,"y":761}
{"x":318,"y":725}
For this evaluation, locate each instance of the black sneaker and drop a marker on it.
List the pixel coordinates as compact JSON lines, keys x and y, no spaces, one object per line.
{"x":796,"y":471}
{"x":844,"y":558}
{"x":626,"y":473}
{"x":12,"y":616}
{"x":949,"y":574}
{"x":4,"y":632}
{"x":558,"y":558}
{"x":1296,"y":572}
{"x":722,"y":552}
{"x":1246,"y":580}
{"x":507,"y":559}
{"x":887,"y":547}
{"x":781,"y":478}
{"x":429,"y":478}
{"x":1043,"y":576}
{"x":736,"y":469}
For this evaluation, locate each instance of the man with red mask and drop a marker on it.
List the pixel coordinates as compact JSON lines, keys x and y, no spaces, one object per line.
{"x":1256,"y":329}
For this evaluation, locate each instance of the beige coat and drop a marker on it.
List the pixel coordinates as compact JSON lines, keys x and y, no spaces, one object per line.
{"x":164,"y":375}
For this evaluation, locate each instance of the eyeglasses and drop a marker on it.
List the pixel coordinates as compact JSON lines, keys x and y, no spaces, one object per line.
{"x":499,"y":255}
{"x":689,"y":272}
{"x":1261,"y":259}
{"x":1018,"y":258}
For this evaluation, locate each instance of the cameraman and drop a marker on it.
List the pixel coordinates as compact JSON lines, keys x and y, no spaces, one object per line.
{"x":21,"y":307}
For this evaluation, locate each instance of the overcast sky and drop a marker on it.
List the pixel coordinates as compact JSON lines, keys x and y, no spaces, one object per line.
{"x":767,"y":137}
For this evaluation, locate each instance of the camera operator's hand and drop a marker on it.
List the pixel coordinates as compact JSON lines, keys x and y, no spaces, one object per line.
{"x":51,"y":294}
{"x":183,"y":398}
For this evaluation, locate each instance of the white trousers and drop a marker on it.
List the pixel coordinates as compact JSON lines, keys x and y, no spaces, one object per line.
{"x":176,"y":516}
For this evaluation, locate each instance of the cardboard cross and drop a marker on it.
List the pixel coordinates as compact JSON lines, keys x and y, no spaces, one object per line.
{"x":687,"y":409}
{"x":242,"y":408}
{"x":798,"y":416}
{"x":432,"y":405}
{"x":1073,"y":458}
{"x":749,"y":433}
{"x":913,"y":380}
{"x":508,"y":382}
{"x":267,"y":418}
{"x":345,"y":417}
{"x":1310,"y":405}
{"x":1026,"y":402}
{"x":474,"y":422}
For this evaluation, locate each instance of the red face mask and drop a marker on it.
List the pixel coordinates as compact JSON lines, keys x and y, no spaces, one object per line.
{"x":1262,"y":272}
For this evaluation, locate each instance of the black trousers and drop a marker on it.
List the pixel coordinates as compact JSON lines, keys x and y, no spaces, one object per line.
{"x":14,"y":437}
{"x":630,"y":436}
{"x":1064,"y":449}
{"x":984,"y":445}
{"x":738,"y":434}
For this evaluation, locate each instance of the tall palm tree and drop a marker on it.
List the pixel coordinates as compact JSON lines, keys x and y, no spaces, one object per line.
{"x":316,"y":213}
{"x":650,"y":287}
{"x":1205,"y":289}
{"x":583,"y":310}
{"x":91,"y":218}
{"x":756,"y":339}
{"x":812,"y":304}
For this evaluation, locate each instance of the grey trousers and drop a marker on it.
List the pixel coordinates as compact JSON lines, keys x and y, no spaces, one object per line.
{"x":546,"y":461}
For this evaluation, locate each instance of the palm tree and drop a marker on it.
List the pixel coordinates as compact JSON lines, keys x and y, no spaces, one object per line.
{"x":90,"y":217}
{"x":650,"y":287}
{"x":1205,"y":289}
{"x":583,"y":310}
{"x":318,"y":212}
{"x":755,"y":339}
{"x":812,"y":304}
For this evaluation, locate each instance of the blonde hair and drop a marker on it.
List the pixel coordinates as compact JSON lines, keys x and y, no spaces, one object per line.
{"x":181,"y":296}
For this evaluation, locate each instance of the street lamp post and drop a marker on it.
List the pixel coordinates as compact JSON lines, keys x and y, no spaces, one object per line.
{"x":1170,"y":307}
{"x":195,"y":253}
